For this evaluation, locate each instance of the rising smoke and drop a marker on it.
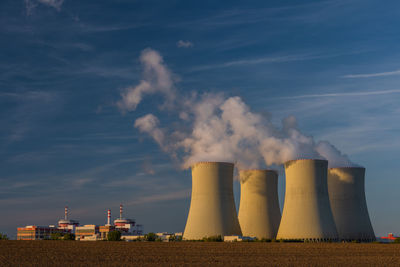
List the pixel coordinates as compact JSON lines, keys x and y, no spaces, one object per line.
{"x":219,"y":128}
{"x":156,"y":79}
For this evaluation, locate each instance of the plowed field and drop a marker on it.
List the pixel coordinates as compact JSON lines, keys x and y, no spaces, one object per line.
{"x":74,"y":253}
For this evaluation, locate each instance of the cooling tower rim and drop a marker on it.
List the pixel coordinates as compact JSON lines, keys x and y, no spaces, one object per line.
{"x":211,"y":163}
{"x":267,"y":170}
{"x":346,"y":167}
{"x":293,"y":160}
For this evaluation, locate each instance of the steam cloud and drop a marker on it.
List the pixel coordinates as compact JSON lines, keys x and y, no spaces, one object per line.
{"x":220,"y":128}
{"x":156,"y":78}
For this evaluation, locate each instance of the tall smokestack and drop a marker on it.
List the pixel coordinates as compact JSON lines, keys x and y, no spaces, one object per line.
{"x":307,"y":213}
{"x":212,"y":208}
{"x":66,"y":213}
{"x":108,"y":217}
{"x":349,"y":207}
{"x":120,"y":211}
{"x":259,"y":212}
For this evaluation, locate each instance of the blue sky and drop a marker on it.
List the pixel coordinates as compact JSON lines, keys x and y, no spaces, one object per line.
{"x":63,"y":66}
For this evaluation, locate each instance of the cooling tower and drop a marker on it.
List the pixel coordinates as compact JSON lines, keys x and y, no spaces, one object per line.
{"x":307,"y":213}
{"x":259,"y":212}
{"x":212,"y":208}
{"x":349,"y":207}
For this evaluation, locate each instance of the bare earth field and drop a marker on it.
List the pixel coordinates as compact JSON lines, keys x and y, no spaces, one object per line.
{"x":74,"y":253}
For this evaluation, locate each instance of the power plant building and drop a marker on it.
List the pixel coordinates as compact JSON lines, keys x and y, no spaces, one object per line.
{"x":307,"y":213}
{"x":346,"y":188}
{"x":87,"y":232}
{"x":122,"y":224}
{"x":33,"y":232}
{"x":259,"y":212}
{"x":212,"y":208}
{"x":90,"y":232}
{"x":66,"y":224}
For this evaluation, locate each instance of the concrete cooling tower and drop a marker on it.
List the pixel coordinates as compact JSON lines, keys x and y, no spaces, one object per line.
{"x":212,"y":208}
{"x":259,"y":212}
{"x":349,"y":207}
{"x":307,"y":213}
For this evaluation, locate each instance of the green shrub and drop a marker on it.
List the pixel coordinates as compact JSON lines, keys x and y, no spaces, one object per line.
{"x":114,"y":236}
{"x":150,"y":237}
{"x":216,"y":238}
{"x":56,"y":236}
{"x":175,"y":238}
{"x":3,"y":237}
{"x":69,"y":236}
{"x":397,"y":240}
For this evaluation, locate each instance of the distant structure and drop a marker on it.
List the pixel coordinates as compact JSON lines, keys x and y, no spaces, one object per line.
{"x":307,"y":213}
{"x":212,"y":208}
{"x":66,"y":224}
{"x":33,"y":232}
{"x":108,"y":227}
{"x":259,"y":212}
{"x":122,"y":224}
{"x":348,"y":203}
{"x":89,"y":232}
{"x":389,"y":238}
{"x":108,"y":218}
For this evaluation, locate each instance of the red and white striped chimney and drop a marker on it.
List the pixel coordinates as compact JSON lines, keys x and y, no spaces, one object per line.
{"x":109,"y":217}
{"x":120,"y":211}
{"x":66,"y":213}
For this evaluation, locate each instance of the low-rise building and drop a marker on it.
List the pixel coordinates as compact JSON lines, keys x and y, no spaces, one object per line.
{"x":104,"y":230}
{"x":87,"y":231}
{"x":132,"y":237}
{"x":234,"y":238}
{"x":33,"y":232}
{"x":388,"y":239}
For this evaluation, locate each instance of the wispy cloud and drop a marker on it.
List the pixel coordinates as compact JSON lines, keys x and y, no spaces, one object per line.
{"x":365,"y":93}
{"x":29,"y":107}
{"x":314,"y":12}
{"x":52,"y":3}
{"x":253,"y":61}
{"x":184,"y":44}
{"x":181,"y":194}
{"x":274,"y":59}
{"x":369,"y":75}
{"x":30,"y":5}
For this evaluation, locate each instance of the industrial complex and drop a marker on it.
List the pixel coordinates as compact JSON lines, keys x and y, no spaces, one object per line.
{"x":320,"y":205}
{"x":90,"y":232}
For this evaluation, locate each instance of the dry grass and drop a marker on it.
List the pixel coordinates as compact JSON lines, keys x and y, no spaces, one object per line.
{"x":74,"y":253}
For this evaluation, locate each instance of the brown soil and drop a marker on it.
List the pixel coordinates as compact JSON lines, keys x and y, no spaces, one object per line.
{"x":74,"y":253}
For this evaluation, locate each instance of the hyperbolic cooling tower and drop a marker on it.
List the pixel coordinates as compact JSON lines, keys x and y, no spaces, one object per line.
{"x":349,"y":207}
{"x":259,"y":212}
{"x":212,"y":208}
{"x":307,"y":213}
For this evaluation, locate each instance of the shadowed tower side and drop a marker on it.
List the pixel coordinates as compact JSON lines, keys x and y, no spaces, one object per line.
{"x":307,"y":213}
{"x":212,"y":208}
{"x":259,"y":212}
{"x":346,"y":188}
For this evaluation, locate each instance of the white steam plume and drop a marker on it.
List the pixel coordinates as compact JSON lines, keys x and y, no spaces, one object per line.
{"x":335,"y":157}
{"x":212,"y":127}
{"x":156,"y":78}
{"x":149,"y":124}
